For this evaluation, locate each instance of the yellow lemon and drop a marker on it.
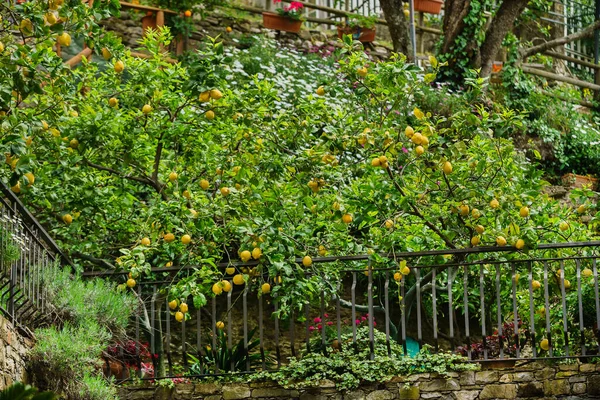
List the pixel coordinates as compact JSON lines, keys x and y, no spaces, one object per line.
{"x":183,"y":308}
{"x":321,"y":91}
{"x":204,"y":184}
{"x":256,"y":253}
{"x":146,"y":241}
{"x":520,"y":244}
{"x":226,"y":285}
{"x":217,"y":289}
{"x":475,"y":240}
{"x":220,"y":325}
{"x":147,"y":109}
{"x":447,"y":168}
{"x":266,"y":288}
{"x":494,"y":203}
{"x":119,"y":67}
{"x":67,"y":219}
{"x":245,"y":255}
{"x":307,"y":261}
{"x":169,"y":237}
{"x":216,"y":94}
{"x":397,"y":276}
{"x":130,"y":282}
{"x":179,"y":316}
{"x":347,"y":218}
{"x":64,"y":39}
{"x":501,"y":241}
{"x":535,"y":285}
{"x":524,"y":212}
{"x":238,"y":279}
{"x":173,"y":304}
{"x":186,"y":239}
{"x":419,"y":150}
{"x":225,"y":191}
{"x":230,"y":270}
{"x":544,"y":344}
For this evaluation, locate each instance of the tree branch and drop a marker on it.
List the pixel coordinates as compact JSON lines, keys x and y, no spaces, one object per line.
{"x":96,"y":261}
{"x":587,"y":32}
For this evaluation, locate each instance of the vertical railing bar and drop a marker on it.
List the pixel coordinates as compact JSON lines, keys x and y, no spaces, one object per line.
{"x":386,"y":288}
{"x":338,"y":316}
{"x":515,"y":310}
{"x":434,"y":308}
{"x":597,"y":298}
{"x":229,"y":327}
{"x":152,"y":327}
{"x":260,"y":330}
{"x":403,"y":309}
{"x":580,"y":304}
{"x":482,"y":308}
{"x":183,"y":341}
{"x":532,"y":310}
{"x":370,"y":308}
{"x":418,"y":290}
{"x":277,"y":348}
{"x":138,"y":359}
{"x":323,"y":330}
{"x":564,"y":306}
{"x":466,"y":310}
{"x":198,"y":342}
{"x":168,"y":341}
{"x":499,"y":311}
{"x":245,"y":306}
{"x":307,"y":326}
{"x":450,"y":307}
{"x":292,"y":333}
{"x":353,"y":291}
{"x":547,"y":309}
{"x":215,"y":332}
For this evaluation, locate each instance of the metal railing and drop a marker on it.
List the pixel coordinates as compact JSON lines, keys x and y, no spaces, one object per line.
{"x":488,"y":303}
{"x":25,"y":250}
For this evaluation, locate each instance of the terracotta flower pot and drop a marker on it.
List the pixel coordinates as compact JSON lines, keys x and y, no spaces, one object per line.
{"x":365,"y":35}
{"x":429,"y":6}
{"x":579,"y":181}
{"x":280,"y":23}
{"x":149,"y":21}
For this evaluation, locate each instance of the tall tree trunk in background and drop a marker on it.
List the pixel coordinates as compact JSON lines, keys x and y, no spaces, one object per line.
{"x":502,"y":23}
{"x":398,"y":25}
{"x":456,"y":29}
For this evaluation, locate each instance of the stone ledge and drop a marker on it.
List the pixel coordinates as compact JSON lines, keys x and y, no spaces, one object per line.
{"x":547,"y":382}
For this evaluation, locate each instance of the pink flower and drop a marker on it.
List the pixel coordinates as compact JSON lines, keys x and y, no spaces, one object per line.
{"x":404,"y":149}
{"x":296,"y":5}
{"x":276,"y":1}
{"x":329,"y":323}
{"x":320,"y":326}
{"x":357,"y":322}
{"x":326,"y":315}
{"x":317,"y":320}
{"x":311,"y":328}
{"x":374,"y":323}
{"x":363,"y":318}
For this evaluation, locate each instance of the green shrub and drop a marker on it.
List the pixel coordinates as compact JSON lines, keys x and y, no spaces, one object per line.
{"x":87,"y":315}
{"x":61,"y":358}
{"x":78,"y":301}
{"x":95,"y":388}
{"x":351,"y":366}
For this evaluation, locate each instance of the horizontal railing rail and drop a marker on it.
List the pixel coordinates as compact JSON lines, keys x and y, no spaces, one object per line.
{"x":489,"y":304}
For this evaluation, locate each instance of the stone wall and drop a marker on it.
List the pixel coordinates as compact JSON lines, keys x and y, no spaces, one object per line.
{"x":533,"y":380}
{"x":13,"y":354}
{"x":129,"y":28}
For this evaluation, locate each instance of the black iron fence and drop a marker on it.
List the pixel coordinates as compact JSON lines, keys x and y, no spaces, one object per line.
{"x":487,"y":303}
{"x":25,"y":250}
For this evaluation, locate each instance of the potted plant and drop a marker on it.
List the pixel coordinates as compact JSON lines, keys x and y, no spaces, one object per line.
{"x":286,"y":19}
{"x":148,"y":21}
{"x":578,"y":181}
{"x":360,"y":27}
{"x":429,"y":6}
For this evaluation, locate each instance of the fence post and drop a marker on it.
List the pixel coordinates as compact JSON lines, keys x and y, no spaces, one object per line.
{"x":597,"y":49}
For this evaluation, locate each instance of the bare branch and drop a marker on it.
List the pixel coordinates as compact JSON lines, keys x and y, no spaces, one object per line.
{"x":587,"y":32}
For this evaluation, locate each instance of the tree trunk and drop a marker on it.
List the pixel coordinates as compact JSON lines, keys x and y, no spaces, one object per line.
{"x":398,"y":26}
{"x":455,"y":12}
{"x":502,"y":23}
